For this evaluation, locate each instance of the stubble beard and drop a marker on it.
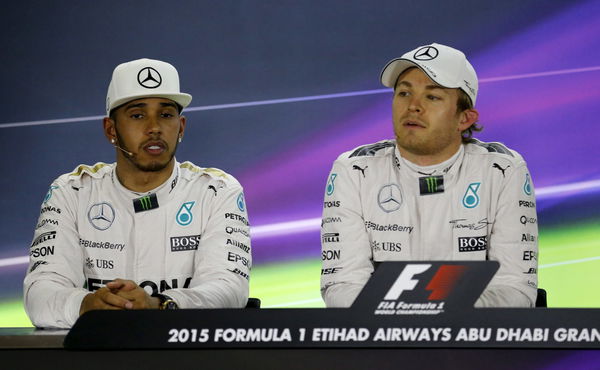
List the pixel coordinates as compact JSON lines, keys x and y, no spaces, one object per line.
{"x":153,"y":166}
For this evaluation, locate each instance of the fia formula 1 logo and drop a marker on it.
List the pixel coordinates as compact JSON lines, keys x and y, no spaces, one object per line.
{"x":440,"y":287}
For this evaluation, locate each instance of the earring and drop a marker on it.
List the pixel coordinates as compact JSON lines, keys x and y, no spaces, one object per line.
{"x":180,"y":138}
{"x":112,"y":141}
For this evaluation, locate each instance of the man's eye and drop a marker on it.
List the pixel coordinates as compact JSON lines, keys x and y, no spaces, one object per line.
{"x":403,"y":93}
{"x":433,"y":97}
{"x":137,"y":115}
{"x":167,"y":115}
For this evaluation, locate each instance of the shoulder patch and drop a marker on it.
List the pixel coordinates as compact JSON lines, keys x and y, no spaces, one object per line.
{"x":90,"y":170}
{"x":214,"y":172}
{"x":494,"y":147}
{"x":371,"y":149}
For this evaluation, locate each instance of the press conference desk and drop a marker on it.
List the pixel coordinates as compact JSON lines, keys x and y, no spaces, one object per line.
{"x":27,"y":348}
{"x":409,"y":330}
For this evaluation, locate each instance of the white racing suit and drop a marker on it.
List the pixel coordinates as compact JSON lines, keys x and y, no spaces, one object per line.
{"x":478,"y":205}
{"x":190,"y":241}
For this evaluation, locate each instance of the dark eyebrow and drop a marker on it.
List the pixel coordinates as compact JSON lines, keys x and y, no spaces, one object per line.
{"x":169,"y":104}
{"x":135,"y":105}
{"x":143,"y":105}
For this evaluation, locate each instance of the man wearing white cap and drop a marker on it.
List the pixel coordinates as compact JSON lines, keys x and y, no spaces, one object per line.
{"x":146,"y":231}
{"x":433,"y":193}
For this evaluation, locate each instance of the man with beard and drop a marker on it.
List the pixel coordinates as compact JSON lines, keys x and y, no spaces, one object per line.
{"x":146,"y":232}
{"x":433,"y":193}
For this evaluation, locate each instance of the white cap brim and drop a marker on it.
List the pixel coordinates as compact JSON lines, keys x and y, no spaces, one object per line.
{"x":182,"y":99}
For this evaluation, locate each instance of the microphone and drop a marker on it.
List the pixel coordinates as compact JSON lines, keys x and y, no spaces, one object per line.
{"x":118,"y":147}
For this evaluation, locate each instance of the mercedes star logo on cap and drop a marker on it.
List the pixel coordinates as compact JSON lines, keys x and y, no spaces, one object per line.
{"x":389,"y":198}
{"x":101,"y":215}
{"x":426,"y":53}
{"x":149,"y":78}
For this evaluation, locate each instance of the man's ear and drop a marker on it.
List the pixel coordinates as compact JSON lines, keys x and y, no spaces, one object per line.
{"x":181,"y":126}
{"x":109,"y":128}
{"x":467,"y":118}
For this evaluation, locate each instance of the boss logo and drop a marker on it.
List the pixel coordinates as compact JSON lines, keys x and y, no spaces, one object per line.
{"x":472,"y":244}
{"x":185,"y":243}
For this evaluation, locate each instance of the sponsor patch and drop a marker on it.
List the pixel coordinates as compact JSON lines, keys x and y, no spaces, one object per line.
{"x":389,"y":198}
{"x":184,"y":215}
{"x":431,"y":185}
{"x":330,"y":237}
{"x":330,"y":184}
{"x":332,"y":204}
{"x":234,"y":257}
{"x":42,"y":251}
{"x":43,"y":237}
{"x":145,"y":203}
{"x":330,"y":270}
{"x":472,"y":244}
{"x":242,"y":246}
{"x":328,"y":255}
{"x":236,"y":217}
{"x":471,"y":199}
{"x":369,"y":225}
{"x":185,"y":243}
{"x":37,"y":264}
{"x":102,"y":245}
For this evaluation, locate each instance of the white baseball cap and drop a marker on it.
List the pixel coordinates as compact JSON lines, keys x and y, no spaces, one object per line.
{"x":446,"y":66}
{"x":144,"y":78}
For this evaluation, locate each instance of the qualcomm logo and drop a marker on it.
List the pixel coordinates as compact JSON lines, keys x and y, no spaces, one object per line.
{"x":101,"y":215}
{"x":389,"y":198}
{"x":330,"y":186}
{"x":527,"y":185}
{"x":184,"y":215}
{"x":471,"y":199}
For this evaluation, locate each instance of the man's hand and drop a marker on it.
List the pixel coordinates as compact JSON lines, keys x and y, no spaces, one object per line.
{"x":137,"y":296}
{"x":103,"y":299}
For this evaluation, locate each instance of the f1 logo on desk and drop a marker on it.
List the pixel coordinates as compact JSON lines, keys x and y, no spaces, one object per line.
{"x":440,"y":285}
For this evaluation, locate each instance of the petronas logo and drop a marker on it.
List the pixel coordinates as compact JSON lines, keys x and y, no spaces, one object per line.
{"x":330,"y":185}
{"x":471,"y":199}
{"x":527,"y":185}
{"x":184,"y":215}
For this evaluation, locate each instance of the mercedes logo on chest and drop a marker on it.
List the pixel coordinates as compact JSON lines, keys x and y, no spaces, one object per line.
{"x":426,"y":53}
{"x":101,"y":215}
{"x":389,"y":198}
{"x":149,"y":78}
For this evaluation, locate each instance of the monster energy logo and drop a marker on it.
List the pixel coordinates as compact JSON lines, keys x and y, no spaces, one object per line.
{"x":145,"y":203}
{"x":431,"y":184}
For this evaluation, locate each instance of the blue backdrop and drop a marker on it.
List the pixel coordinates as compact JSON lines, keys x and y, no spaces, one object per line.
{"x":282,"y":87}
